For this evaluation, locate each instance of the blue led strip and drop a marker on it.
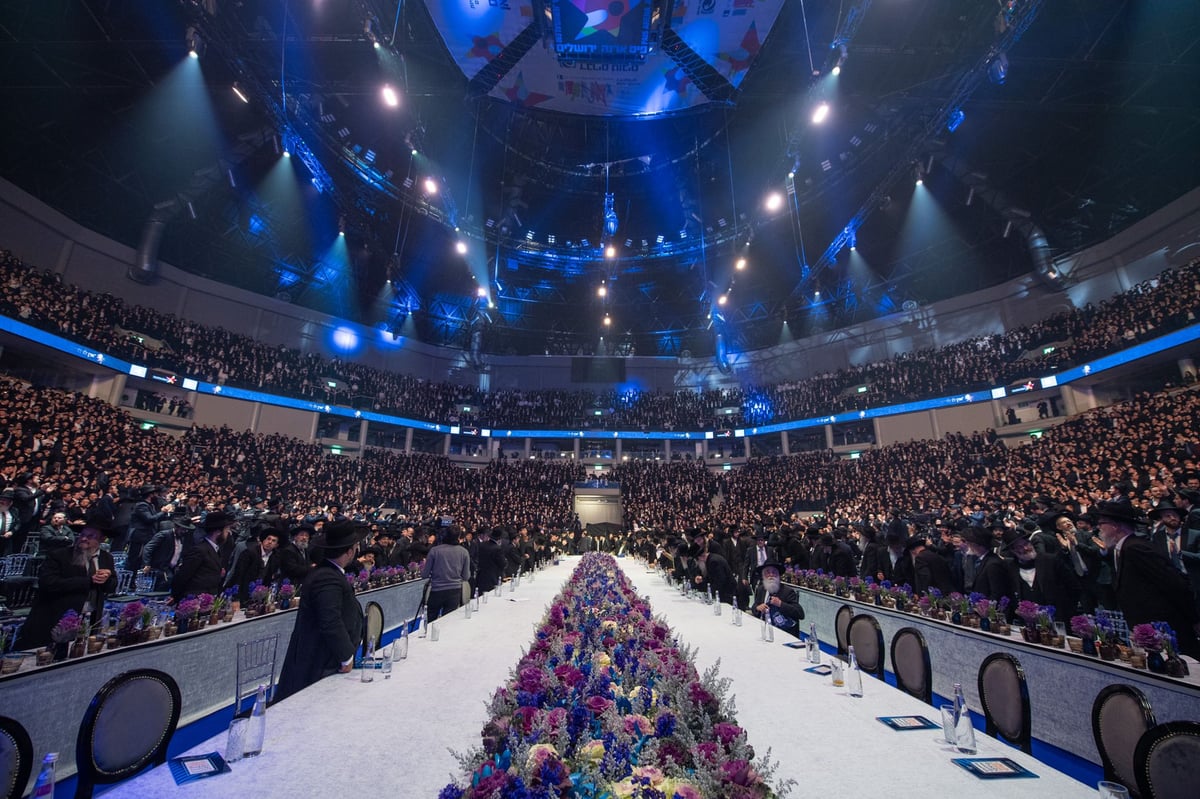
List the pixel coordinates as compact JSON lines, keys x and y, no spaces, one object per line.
{"x":1104,"y":363}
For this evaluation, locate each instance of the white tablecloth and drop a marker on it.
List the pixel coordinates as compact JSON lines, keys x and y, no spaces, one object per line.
{"x":352,"y":738}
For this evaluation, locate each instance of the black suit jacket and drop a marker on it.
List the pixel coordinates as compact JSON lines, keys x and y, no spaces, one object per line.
{"x":992,"y":578}
{"x":490,"y":567}
{"x":293,"y":564}
{"x":719,"y":577}
{"x":930,"y":570}
{"x":62,"y":586}
{"x":199,"y":572}
{"x":329,"y":628}
{"x":1150,"y":589}
{"x":788,"y":615}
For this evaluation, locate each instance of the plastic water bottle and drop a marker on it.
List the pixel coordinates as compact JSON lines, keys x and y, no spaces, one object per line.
{"x":814,"y":645}
{"x":737,"y":616}
{"x":717,"y":608}
{"x":388,"y":656}
{"x":424,"y":624}
{"x":435,"y":631}
{"x":256,"y":732}
{"x":467,"y":609}
{"x":400,"y":651}
{"x":44,"y":787}
{"x":964,"y":730}
{"x":368,"y":662}
{"x":853,"y":676}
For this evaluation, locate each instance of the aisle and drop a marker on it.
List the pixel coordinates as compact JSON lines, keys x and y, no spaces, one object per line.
{"x":356,"y":738}
{"x":827,"y":741}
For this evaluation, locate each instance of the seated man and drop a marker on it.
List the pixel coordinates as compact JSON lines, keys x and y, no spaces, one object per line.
{"x":778,"y":602}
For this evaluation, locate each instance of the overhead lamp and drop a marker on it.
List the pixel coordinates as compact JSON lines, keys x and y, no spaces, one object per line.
{"x":460,"y":247}
{"x":774,"y":201}
{"x":481,"y":292}
{"x":820,"y":113}
{"x":610,"y":252}
{"x":741,"y":264}
{"x":607,"y":320}
{"x":602,"y":291}
{"x":722,"y":299}
{"x":390,"y":98}
{"x":431,"y":186}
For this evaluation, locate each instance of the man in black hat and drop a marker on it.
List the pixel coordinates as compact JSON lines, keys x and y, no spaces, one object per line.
{"x":293,"y":562}
{"x":201,"y":570}
{"x":143,"y":524}
{"x":712,"y":570}
{"x":9,"y":521}
{"x":75,"y":578}
{"x":929,"y":569}
{"x":490,"y":568}
{"x":329,"y":624}
{"x":991,"y":576}
{"x":1147,"y":586}
{"x":778,"y":602}
{"x":1043,"y":579}
{"x":164,"y":552}
{"x":1167,"y":533}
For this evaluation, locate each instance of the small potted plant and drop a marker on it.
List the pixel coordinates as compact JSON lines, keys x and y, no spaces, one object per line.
{"x":205,"y":608}
{"x":985,"y":609}
{"x":259,"y":594}
{"x":1083,"y":626}
{"x":129,"y":626}
{"x":287,"y":592}
{"x":64,"y":633}
{"x":185,"y":614}
{"x":1028,"y":613}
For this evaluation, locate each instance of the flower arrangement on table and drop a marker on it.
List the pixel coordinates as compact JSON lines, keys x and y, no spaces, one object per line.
{"x":67,"y":629}
{"x":259,"y":596}
{"x":1028,"y":611}
{"x":187,"y":608}
{"x":286,"y":593}
{"x":605,"y":704}
{"x":1084,"y":625}
{"x":131,"y":615}
{"x":206,"y":602}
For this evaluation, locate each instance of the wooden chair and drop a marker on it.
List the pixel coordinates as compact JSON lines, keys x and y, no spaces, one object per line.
{"x":910,"y":661}
{"x":1121,"y":715}
{"x":1166,"y":761}
{"x":1005,"y":698}
{"x":16,"y":758}
{"x":866,"y":637}
{"x":127,"y":727}
{"x":841,"y":627}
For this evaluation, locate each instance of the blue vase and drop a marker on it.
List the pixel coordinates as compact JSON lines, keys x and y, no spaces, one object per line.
{"x":1089,"y":645}
{"x":1156,"y":663}
{"x":956,"y":617}
{"x":985,"y":624}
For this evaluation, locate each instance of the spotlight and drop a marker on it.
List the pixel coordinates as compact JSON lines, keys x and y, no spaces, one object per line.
{"x":341,"y":226}
{"x":481,"y":292}
{"x":816,"y":295}
{"x":414,"y":151}
{"x":461,"y":247}
{"x":610,"y":252}
{"x":287,"y":154}
{"x":390,"y":98}
{"x":431,"y":186}
{"x":741,"y":264}
{"x":722,"y":299}
{"x":240,"y":94}
{"x":837,"y":70}
{"x":774,"y":201}
{"x":602,"y":291}
{"x":820,"y":114}
{"x":607,"y":321}
{"x":920,"y":182}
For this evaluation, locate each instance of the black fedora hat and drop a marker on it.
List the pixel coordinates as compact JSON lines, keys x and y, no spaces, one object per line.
{"x":1117,"y":511}
{"x":340,"y":534}
{"x":1163,"y":507}
{"x":216,"y":520}
{"x":979,"y":535}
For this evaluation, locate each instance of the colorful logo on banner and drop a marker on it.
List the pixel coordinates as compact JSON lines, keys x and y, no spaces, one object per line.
{"x":519,"y":94}
{"x":739,"y":60}
{"x":487,"y":47}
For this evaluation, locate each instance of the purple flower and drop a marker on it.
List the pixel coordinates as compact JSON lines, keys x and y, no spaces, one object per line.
{"x":726,"y":732}
{"x":598,"y":704}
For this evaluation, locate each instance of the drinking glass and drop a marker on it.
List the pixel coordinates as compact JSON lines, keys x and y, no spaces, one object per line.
{"x":948,"y":734}
{"x":1112,"y":790}
{"x":836,"y":674}
{"x":235,"y":741}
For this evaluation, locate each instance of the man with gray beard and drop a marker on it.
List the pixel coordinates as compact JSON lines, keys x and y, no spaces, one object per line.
{"x":74,"y":578}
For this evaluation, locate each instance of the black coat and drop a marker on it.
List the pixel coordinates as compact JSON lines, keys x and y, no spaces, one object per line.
{"x":789,"y":613}
{"x":293,"y":564}
{"x":718,"y":576}
{"x":992,"y":578}
{"x":328,"y":630}
{"x":1150,"y":589}
{"x":62,"y":586}
{"x":930,"y":570}
{"x":1054,"y":583}
{"x":490,"y":567}
{"x":199,"y":572}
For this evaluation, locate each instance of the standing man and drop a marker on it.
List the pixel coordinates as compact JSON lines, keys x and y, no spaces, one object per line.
{"x":447,"y":566}
{"x":490,"y":568}
{"x":74,"y":578}
{"x":201,"y":570}
{"x":329,"y":624}
{"x":143,"y":524}
{"x":1147,"y":586}
{"x":8,"y":521}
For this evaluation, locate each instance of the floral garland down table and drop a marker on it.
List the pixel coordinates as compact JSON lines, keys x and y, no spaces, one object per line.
{"x":606,"y":700}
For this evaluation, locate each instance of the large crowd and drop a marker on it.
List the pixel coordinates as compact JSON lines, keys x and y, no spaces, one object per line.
{"x":157,"y":339}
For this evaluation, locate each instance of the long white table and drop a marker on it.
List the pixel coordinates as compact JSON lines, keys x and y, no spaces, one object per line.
{"x":344,"y":736}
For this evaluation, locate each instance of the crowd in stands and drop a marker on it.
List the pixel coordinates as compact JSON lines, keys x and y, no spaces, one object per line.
{"x":148,"y":336}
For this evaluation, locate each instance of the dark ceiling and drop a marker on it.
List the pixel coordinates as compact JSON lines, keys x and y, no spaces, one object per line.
{"x":1094,"y":128}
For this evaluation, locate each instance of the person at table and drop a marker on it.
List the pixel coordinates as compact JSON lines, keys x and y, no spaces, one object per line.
{"x":992,"y":580}
{"x":258,"y":559}
{"x":1147,"y":586}
{"x":293,"y":562}
{"x":1043,"y":578}
{"x":329,"y":624}
{"x":778,"y":602}
{"x":929,"y":569}
{"x":447,"y":566}
{"x":75,"y":578}
{"x":200,"y":569}
{"x":164,"y":552}
{"x":713,"y":573}
{"x":490,"y":568}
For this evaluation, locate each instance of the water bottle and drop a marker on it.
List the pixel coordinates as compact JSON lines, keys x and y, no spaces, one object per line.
{"x":475,"y":601}
{"x":44,"y":787}
{"x":368,"y":662}
{"x":424,"y":624}
{"x":814,"y":645}
{"x":435,"y":631}
{"x":467,"y":609}
{"x":388,"y":656}
{"x":853,"y":676}
{"x":964,"y":730}
{"x":717,"y":608}
{"x":256,"y":732}
{"x":401,"y":650}
{"x":737,"y":616}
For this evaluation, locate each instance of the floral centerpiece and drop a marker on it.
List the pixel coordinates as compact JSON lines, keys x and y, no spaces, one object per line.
{"x":286,"y":593}
{"x":604,"y":704}
{"x":259,"y":594}
{"x":1084,"y":626}
{"x":1162,"y":648}
{"x":185,"y":613}
{"x":205,"y":604}
{"x":67,"y":629}
{"x":129,"y":622}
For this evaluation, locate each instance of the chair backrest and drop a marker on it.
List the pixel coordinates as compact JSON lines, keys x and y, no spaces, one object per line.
{"x":143,"y":583}
{"x":124,"y":582}
{"x":16,"y":758}
{"x":910,"y":661}
{"x":32,"y":545}
{"x":373,"y":629}
{"x":127,"y":727}
{"x":866,"y":637}
{"x":119,"y":559}
{"x":1167,"y":761}
{"x":1005,"y":698}
{"x":1121,"y":714}
{"x":255,"y":667}
{"x":14,"y":565}
{"x":19,"y":592}
{"x":841,"y":627}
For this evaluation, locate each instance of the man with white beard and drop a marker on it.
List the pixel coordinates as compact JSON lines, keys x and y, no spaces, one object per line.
{"x":780,"y":603}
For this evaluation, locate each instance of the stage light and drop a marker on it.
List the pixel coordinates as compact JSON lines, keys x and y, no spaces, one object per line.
{"x":607,"y":321}
{"x":481,"y":292}
{"x":602,"y":291}
{"x":414,"y":151}
{"x":240,"y":94}
{"x":820,"y":114}
{"x":722,"y":299}
{"x":837,"y":70}
{"x":791,"y":174}
{"x":741,"y":264}
{"x":341,"y":226}
{"x":461,"y":247}
{"x":431,"y":186}
{"x":774,"y":201}
{"x":193,"y":54}
{"x":286,"y":154}
{"x":920,"y":182}
{"x":390,"y":98}
{"x":956,"y":118}
{"x":610,"y":252}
